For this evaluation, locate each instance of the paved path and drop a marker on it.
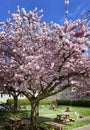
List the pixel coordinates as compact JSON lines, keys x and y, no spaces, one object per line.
{"x":85,"y":118}
{"x":86,"y":127}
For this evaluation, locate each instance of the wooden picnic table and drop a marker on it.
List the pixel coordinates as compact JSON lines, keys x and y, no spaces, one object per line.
{"x":15,"y":123}
{"x":64,"y":118}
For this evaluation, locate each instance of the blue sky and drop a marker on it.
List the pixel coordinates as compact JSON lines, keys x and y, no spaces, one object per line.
{"x":53,"y":10}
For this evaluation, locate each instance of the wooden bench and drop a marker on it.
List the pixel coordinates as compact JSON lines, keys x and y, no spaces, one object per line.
{"x":54,"y":125}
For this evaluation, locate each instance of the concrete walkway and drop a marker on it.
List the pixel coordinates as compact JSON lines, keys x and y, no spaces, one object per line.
{"x":85,"y":118}
{"x":86,"y":127}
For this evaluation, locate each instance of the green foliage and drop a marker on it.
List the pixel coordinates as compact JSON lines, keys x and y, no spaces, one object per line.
{"x":83,"y":103}
{"x":46,"y":102}
{"x":10,"y":101}
{"x":20,"y":101}
{"x":26,"y":101}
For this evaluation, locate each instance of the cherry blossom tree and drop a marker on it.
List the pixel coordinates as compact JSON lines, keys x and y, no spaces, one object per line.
{"x":38,"y":57}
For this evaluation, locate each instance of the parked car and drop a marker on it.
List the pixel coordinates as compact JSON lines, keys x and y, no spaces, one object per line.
{"x":2,"y":107}
{"x":6,"y":107}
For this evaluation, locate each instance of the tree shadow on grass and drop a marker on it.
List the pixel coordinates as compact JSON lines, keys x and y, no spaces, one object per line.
{"x":42,"y":120}
{"x":24,"y":115}
{"x":3,"y":116}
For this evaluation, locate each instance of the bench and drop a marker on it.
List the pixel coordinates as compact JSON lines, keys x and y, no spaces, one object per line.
{"x":54,"y":125}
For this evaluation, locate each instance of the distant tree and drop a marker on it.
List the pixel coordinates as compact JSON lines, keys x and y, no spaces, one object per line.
{"x":81,"y":86}
{"x":37,"y":57}
{"x":6,"y":88}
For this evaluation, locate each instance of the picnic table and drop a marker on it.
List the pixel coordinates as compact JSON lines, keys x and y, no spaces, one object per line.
{"x":63,"y":118}
{"x":15,"y":123}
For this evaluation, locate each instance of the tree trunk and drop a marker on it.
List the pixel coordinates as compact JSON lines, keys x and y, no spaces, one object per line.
{"x":34,"y":115}
{"x":15,"y":107}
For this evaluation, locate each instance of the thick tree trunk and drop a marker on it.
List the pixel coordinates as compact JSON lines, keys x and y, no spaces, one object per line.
{"x":15,"y":107}
{"x":34,"y":115}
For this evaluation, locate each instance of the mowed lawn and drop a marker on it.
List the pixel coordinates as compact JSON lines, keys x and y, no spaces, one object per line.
{"x":83,"y":111}
{"x":48,"y":114}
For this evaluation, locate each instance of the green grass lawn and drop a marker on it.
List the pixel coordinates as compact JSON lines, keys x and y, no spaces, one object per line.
{"x":84,"y":111}
{"x":49,"y":115}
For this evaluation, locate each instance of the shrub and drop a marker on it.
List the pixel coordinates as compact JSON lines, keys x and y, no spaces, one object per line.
{"x":83,"y":103}
{"x":20,"y":101}
{"x":46,"y":102}
{"x":26,"y":101}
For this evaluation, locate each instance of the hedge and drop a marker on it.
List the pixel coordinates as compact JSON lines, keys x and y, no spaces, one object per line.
{"x":46,"y":102}
{"x":20,"y":101}
{"x":26,"y":101}
{"x":83,"y":103}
